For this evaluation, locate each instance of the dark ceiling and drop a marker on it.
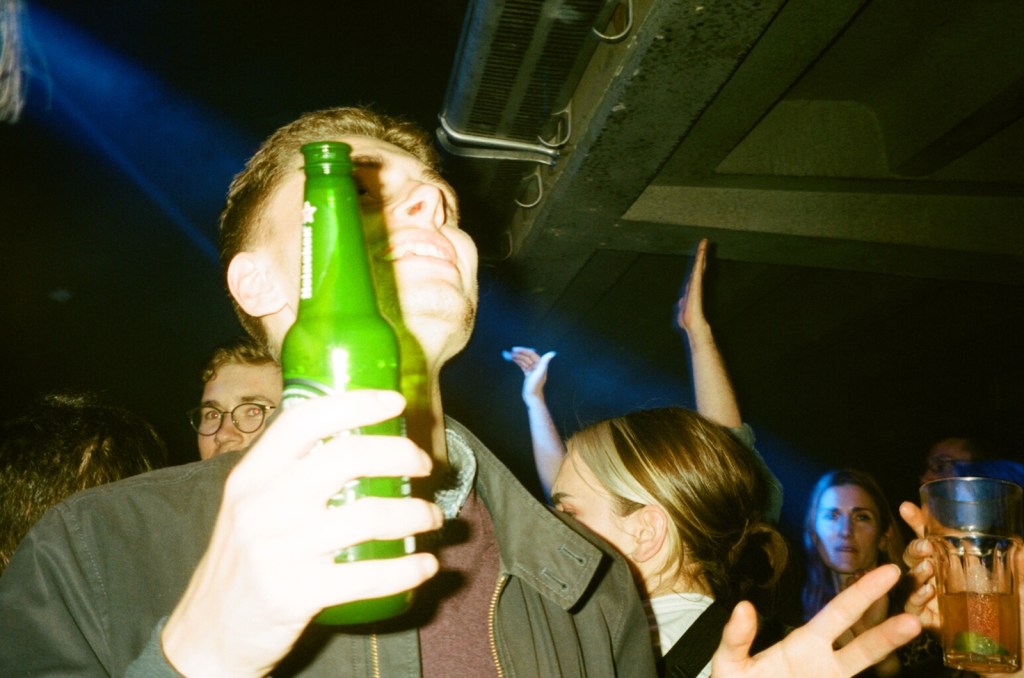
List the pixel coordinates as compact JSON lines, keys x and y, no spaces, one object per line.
{"x":857,"y":166}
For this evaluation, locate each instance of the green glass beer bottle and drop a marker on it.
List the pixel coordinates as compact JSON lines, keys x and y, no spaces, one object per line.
{"x":341,"y":342}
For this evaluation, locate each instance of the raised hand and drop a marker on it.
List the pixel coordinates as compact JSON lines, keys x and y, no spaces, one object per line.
{"x":548,"y":449}
{"x":808,"y":651}
{"x":269,"y":567}
{"x":712,"y":388}
{"x":690,"y":307}
{"x":535,"y":370}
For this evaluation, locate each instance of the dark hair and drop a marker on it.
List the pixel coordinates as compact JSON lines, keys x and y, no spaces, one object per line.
{"x":65,"y":442}
{"x":708,"y":484}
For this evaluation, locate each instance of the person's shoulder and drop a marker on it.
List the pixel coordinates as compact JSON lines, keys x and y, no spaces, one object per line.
{"x":175,"y":494}
{"x":138,"y":515}
{"x":745,"y":434}
{"x":177,"y":480}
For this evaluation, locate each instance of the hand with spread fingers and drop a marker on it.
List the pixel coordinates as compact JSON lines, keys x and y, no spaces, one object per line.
{"x":808,"y":651}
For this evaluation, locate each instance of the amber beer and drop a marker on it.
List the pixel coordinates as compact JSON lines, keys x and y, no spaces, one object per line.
{"x":980,"y":629}
{"x":341,"y":342}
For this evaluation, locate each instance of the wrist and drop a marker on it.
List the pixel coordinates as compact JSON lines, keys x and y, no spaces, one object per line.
{"x":192,"y":651}
{"x":180,"y":653}
{"x":197,"y":657}
{"x":700,"y":337}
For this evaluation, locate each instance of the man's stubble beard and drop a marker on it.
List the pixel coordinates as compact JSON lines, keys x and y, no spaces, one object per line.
{"x":421,"y":311}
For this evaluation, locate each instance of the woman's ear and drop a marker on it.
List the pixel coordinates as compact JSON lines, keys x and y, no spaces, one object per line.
{"x":252,"y":285}
{"x":649,"y":532}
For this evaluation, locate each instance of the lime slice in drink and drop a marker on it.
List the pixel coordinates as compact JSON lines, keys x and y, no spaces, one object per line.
{"x":976,"y":643}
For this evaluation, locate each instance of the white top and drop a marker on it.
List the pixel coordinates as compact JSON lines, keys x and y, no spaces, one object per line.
{"x":674,"y":613}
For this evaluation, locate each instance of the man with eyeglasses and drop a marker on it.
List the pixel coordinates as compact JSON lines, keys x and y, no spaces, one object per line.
{"x":241,"y":388}
{"x":945,"y":453}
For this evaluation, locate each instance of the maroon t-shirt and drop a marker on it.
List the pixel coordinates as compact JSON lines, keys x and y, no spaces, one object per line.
{"x":455,"y":641}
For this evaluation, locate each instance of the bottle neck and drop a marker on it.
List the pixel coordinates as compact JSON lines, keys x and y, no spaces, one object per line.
{"x":336,"y":277}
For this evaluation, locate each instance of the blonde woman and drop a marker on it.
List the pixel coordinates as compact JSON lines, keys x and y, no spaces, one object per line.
{"x":684,"y":501}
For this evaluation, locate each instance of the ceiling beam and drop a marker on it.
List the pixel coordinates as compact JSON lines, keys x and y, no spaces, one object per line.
{"x":638,"y":101}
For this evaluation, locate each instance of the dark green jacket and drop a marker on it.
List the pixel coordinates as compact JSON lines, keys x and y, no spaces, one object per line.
{"x":89,"y":586}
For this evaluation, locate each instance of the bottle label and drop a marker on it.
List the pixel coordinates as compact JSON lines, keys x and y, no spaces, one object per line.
{"x":296,"y":390}
{"x":306,"y":264}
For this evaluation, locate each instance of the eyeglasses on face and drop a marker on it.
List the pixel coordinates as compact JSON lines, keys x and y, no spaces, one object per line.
{"x":247,"y":417}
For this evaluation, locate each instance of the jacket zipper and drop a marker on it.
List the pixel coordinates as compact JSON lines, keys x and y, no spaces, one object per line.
{"x":490,"y":624}
{"x":375,"y":655}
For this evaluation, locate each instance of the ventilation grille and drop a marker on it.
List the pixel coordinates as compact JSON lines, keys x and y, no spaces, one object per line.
{"x":518,"y":63}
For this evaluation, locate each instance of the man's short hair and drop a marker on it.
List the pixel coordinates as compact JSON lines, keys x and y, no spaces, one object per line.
{"x":252,"y":187}
{"x":240,"y":351}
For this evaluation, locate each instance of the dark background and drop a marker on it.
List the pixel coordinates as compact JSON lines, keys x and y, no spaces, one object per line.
{"x":856,"y":332}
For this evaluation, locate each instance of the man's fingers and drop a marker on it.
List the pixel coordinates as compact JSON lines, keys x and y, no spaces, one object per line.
{"x":371,"y":518}
{"x":849,"y":605}
{"x":375,"y":578}
{"x":917,"y":602}
{"x":336,"y":462}
{"x":875,"y":644}
{"x":737,"y":637}
{"x":921,"y":574}
{"x":297,"y":429}
{"x":917,"y":551}
{"x":913,"y":516}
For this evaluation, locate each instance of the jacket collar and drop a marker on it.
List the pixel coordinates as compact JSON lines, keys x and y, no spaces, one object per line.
{"x":536,"y":546}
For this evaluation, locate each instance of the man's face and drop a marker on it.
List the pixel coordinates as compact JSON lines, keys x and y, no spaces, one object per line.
{"x":237,"y":384}
{"x":425,"y":267}
{"x":942,"y":456}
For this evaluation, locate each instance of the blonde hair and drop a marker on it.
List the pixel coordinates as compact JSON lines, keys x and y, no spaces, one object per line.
{"x":278,"y":155}
{"x":707,"y":483}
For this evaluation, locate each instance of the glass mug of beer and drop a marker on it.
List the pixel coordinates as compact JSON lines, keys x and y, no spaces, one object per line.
{"x":974,"y":525}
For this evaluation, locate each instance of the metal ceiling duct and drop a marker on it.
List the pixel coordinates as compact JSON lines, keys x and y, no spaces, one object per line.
{"x":517,"y":65}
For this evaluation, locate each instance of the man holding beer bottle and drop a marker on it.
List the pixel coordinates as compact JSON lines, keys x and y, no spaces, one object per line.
{"x":217,"y":568}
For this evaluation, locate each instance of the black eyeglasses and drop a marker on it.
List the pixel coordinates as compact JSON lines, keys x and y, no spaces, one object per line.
{"x":247,"y":417}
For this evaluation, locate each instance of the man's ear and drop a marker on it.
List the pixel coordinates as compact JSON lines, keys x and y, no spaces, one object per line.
{"x":650,"y":530}
{"x":252,"y":285}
